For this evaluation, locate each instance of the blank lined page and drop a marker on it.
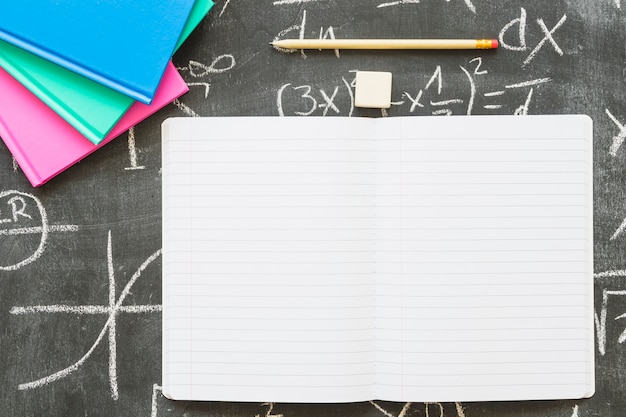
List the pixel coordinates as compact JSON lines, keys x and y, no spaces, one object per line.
{"x":268,"y":260}
{"x":406,"y":259}
{"x":484,"y":258}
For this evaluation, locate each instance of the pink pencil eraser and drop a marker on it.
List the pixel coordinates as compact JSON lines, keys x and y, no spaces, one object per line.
{"x":494,"y":43}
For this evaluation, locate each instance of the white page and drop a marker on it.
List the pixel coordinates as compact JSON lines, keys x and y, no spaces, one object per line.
{"x":484,"y":259}
{"x":267,"y":287}
{"x":271,"y":296}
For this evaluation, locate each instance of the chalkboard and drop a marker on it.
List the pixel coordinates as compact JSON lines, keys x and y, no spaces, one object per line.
{"x":80,"y":265}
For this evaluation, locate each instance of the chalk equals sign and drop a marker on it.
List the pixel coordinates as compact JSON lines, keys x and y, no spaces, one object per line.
{"x":525,"y":84}
{"x":38,"y":229}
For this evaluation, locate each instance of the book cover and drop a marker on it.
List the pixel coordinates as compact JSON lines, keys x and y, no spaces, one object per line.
{"x":44,"y":144}
{"x":122,"y":44}
{"x":90,"y":107}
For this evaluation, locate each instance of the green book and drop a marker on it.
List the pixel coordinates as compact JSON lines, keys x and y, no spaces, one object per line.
{"x":90,"y":107}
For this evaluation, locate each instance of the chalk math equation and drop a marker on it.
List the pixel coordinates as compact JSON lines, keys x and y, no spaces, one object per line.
{"x":24,"y":214}
{"x":295,"y":99}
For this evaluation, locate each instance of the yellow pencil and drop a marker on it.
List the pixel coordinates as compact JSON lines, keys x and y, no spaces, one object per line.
{"x":386,"y":43}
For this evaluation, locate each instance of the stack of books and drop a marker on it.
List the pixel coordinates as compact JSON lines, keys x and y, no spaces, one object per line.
{"x":76,"y":75}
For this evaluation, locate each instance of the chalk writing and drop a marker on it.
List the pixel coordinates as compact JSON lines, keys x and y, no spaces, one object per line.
{"x":197,"y":69}
{"x":284,"y":32}
{"x":226,"y":3}
{"x":324,"y":33}
{"x":618,"y":139}
{"x":306,"y":100}
{"x":619,"y":230}
{"x":268,"y":413}
{"x":521,"y":22}
{"x":616,"y":145}
{"x":398,"y":3}
{"x":221,"y":64}
{"x":468,"y":4}
{"x":207,"y":87}
{"x":303,"y":100}
{"x":156,"y":389}
{"x":185,"y":108}
{"x":601,"y":319}
{"x":285,"y":2}
{"x":112,"y":310}
{"x":23,"y":214}
{"x":428,"y":407}
{"x":465,"y":105}
{"x":132,"y":151}
{"x":402,"y":413}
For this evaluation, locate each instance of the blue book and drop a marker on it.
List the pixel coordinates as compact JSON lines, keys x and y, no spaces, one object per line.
{"x":90,"y":107}
{"x":122,"y":44}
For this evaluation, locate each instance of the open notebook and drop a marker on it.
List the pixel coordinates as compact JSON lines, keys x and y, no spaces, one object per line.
{"x":403,"y":259}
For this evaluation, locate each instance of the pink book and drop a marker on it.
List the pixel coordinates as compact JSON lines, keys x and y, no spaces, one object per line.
{"x":44,"y":144}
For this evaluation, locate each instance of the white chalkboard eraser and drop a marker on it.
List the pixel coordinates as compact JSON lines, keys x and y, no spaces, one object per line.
{"x":372,"y":89}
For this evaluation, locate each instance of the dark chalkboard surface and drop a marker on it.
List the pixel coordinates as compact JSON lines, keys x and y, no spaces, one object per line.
{"x":80,"y":266}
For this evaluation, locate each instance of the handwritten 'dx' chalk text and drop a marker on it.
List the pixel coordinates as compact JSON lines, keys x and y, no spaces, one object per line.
{"x":522,"y":28}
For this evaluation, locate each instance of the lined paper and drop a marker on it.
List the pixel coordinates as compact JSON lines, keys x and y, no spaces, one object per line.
{"x":278,"y":301}
{"x":484,"y":259}
{"x":405,"y":259}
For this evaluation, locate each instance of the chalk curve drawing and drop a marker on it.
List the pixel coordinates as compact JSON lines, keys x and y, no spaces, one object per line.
{"x":44,"y":231}
{"x":111,"y":310}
